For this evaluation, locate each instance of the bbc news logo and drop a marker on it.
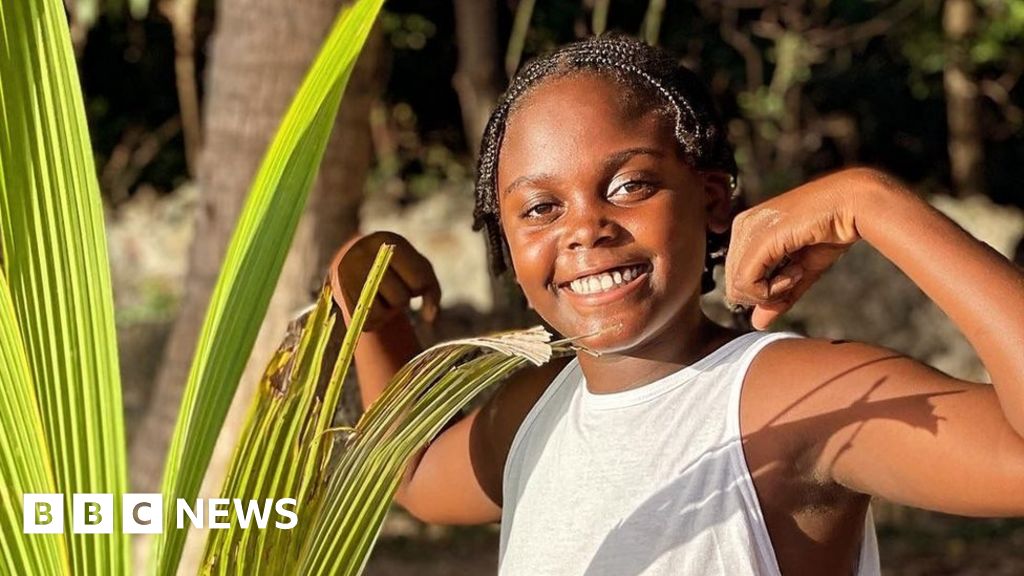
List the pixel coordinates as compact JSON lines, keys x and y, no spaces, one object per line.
{"x":144,"y":513}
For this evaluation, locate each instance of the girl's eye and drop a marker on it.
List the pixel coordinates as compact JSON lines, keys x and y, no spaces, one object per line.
{"x":634,"y":188}
{"x":538,"y":210}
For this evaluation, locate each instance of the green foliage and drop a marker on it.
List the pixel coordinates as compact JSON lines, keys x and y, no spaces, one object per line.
{"x":285,"y":447}
{"x":253,"y":263}
{"x":22,"y":470}
{"x":424,"y":395}
{"x":1001,"y":33}
{"x":407,"y":31}
{"x":55,"y":263}
{"x":87,"y":12}
{"x":288,"y":444}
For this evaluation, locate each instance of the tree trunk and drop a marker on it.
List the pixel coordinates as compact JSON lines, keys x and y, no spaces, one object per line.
{"x":260,"y":53}
{"x":477,"y":79}
{"x":966,"y":148}
{"x":181,"y":14}
{"x":478,"y":82}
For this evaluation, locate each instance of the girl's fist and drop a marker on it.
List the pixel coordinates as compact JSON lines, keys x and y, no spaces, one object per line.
{"x":408,"y":276}
{"x":780,"y":247}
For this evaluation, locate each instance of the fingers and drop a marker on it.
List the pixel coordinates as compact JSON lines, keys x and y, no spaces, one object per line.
{"x":394,"y":291}
{"x":763,"y":283}
{"x":784,"y":297}
{"x":784,"y":279}
{"x":396,"y":294}
{"x":761,"y":270}
{"x":409,"y":275}
{"x":419,"y":278}
{"x":431,"y":302}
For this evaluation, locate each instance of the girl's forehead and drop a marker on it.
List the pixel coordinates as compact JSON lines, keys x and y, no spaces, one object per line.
{"x":621,"y":97}
{"x":576,"y":121}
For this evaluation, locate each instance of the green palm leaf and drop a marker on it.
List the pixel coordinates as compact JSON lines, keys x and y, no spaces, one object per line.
{"x":424,"y":395}
{"x":280,"y":453}
{"x":286,"y":447}
{"x":24,"y":460}
{"x":55,"y":261}
{"x":253,"y":264}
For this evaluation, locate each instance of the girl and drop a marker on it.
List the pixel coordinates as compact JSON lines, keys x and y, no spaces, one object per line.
{"x":685,"y":447}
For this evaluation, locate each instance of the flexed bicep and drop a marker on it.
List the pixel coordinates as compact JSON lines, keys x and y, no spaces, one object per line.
{"x":880,"y":423}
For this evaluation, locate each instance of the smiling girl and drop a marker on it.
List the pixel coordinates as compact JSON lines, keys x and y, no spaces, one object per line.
{"x":605,"y":185}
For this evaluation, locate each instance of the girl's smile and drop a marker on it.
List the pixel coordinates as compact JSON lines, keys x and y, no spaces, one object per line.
{"x":606,"y":284}
{"x":605,"y":223}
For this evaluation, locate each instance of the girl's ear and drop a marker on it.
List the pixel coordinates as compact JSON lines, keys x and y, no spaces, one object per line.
{"x":718,"y":201}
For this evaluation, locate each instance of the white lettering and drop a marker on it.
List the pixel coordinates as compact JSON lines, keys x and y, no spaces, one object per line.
{"x":290,"y":514}
{"x":253,"y":509}
{"x":185,"y":510}
{"x":218,"y":508}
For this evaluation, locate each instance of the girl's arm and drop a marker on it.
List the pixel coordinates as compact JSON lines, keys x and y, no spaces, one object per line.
{"x":865,"y":417}
{"x":979,"y":289}
{"x":387,"y":343}
{"x":456,"y":479}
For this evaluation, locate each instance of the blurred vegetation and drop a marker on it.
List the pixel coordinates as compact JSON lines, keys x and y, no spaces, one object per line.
{"x":868,"y":74}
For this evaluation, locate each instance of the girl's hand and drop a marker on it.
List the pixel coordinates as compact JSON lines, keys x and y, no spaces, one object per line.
{"x":409,"y":275}
{"x":781,"y":247}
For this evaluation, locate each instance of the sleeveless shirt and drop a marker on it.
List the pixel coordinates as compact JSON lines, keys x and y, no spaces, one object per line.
{"x":651,"y":480}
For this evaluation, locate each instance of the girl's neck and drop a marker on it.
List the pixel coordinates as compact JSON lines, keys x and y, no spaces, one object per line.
{"x":679,"y":344}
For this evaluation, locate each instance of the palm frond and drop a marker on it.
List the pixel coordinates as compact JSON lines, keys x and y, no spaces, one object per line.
{"x":24,"y":459}
{"x":424,"y":395}
{"x":253,"y":263}
{"x":55,"y":261}
{"x":279,"y":454}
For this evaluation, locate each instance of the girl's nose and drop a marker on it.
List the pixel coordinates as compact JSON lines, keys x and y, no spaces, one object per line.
{"x":588,"y":228}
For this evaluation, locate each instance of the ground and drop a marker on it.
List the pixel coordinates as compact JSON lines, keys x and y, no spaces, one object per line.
{"x":923,"y":544}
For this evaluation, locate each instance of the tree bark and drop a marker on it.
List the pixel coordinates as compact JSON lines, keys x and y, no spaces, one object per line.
{"x":477,"y":79}
{"x":260,"y":53}
{"x":181,"y":14}
{"x":966,"y":147}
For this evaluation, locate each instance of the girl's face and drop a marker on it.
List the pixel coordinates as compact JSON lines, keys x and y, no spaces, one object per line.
{"x":605,"y":223}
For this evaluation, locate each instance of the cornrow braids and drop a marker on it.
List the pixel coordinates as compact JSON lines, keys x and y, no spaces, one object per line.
{"x":655,"y":81}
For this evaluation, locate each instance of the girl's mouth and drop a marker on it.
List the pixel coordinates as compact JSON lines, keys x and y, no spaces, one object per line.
{"x":607,"y":286}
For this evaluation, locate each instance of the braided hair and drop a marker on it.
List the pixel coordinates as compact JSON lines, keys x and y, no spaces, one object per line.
{"x":654,"y":80}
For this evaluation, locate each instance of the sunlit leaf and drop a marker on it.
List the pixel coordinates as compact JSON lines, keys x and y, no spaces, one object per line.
{"x":253,"y":263}
{"x":55,"y":260}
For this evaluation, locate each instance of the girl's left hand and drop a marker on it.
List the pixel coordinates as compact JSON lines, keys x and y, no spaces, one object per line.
{"x":781,"y":247}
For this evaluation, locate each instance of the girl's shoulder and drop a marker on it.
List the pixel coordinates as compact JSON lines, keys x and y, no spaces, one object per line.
{"x":798,"y":392}
{"x":495,"y":426}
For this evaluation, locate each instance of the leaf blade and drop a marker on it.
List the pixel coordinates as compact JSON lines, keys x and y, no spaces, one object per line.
{"x":55,"y":259}
{"x":253,"y":263}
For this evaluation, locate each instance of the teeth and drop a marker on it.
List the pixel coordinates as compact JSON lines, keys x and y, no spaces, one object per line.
{"x":605,"y":281}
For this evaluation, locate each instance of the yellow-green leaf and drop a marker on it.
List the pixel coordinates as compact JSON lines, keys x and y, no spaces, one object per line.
{"x":55,"y":260}
{"x":24,"y":458}
{"x":253,"y":264}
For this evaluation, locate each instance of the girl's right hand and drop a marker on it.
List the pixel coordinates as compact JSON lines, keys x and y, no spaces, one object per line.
{"x":408,"y":276}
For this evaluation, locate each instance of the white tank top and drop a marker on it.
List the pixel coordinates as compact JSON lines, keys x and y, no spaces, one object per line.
{"x":648,"y":481}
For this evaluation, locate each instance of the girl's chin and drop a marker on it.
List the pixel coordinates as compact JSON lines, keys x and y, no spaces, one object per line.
{"x":606,"y":337}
